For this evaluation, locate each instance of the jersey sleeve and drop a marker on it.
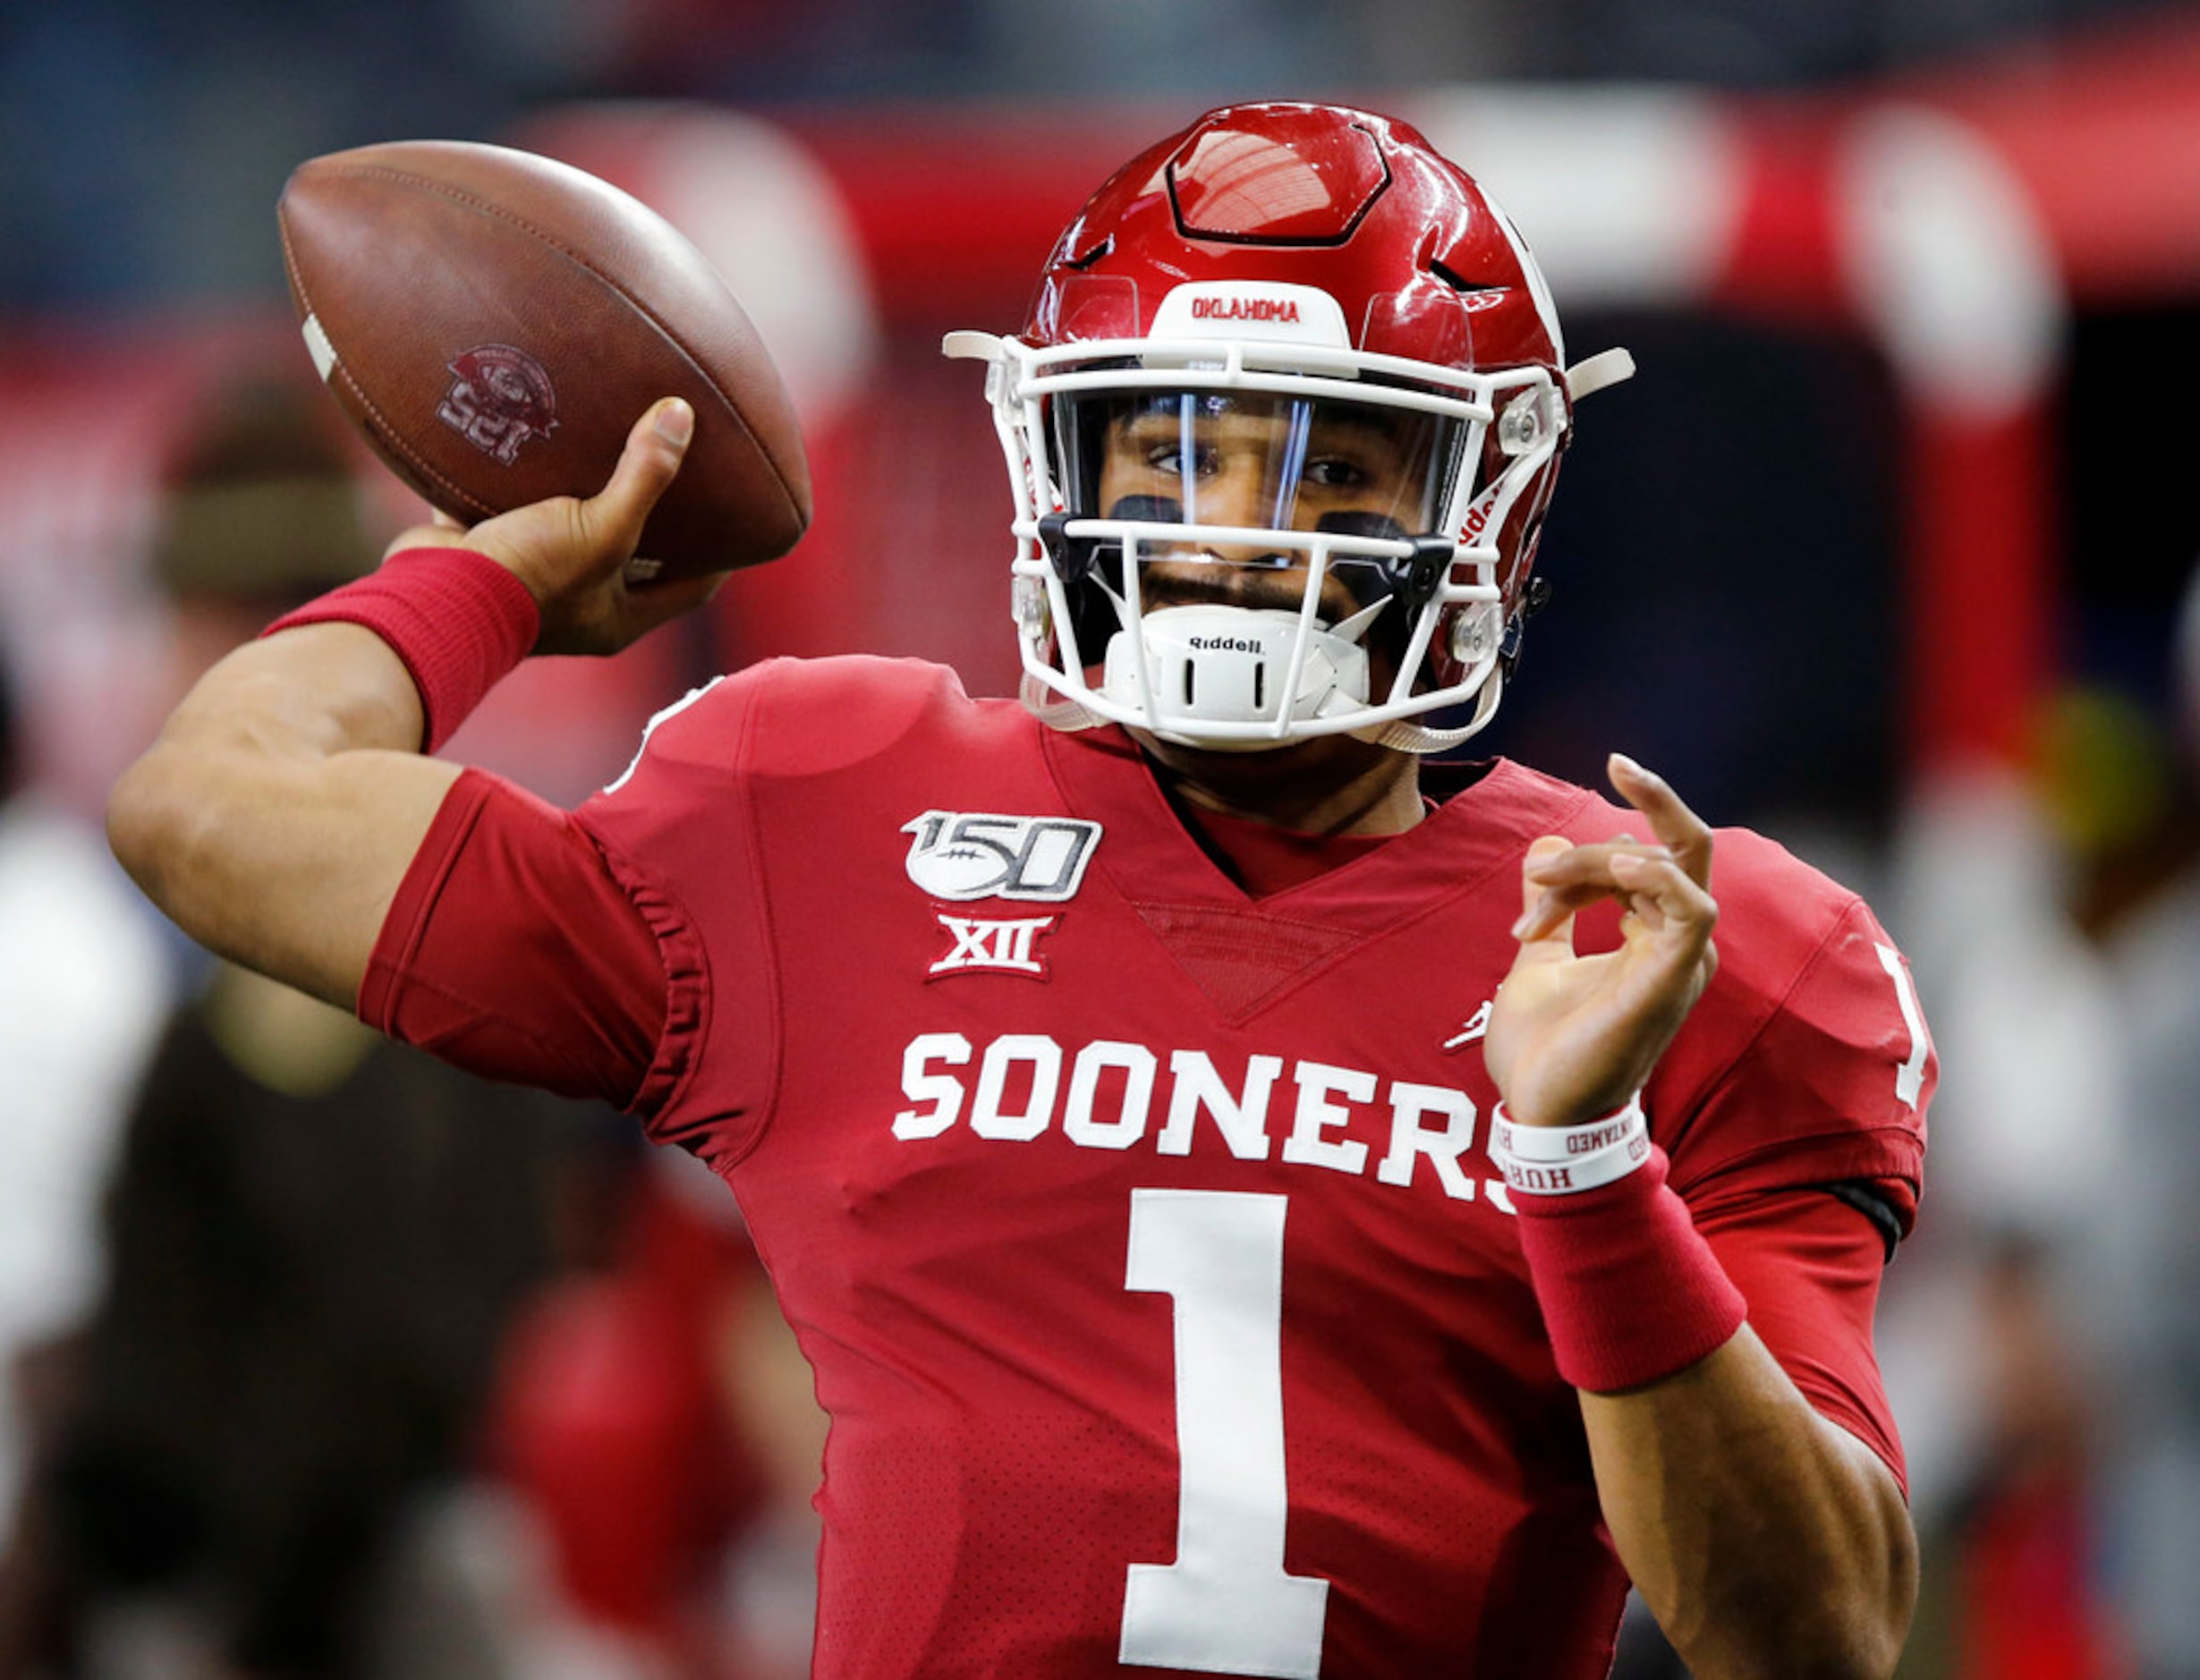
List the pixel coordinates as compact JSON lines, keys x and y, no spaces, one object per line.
{"x":512,"y":952}
{"x":565,"y":949}
{"x":1810,"y":1266}
{"x":1821,"y":1077}
{"x":1797,"y":1105}
{"x":678,"y":832}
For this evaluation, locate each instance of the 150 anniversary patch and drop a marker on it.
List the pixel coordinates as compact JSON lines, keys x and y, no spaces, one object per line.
{"x":962,"y":855}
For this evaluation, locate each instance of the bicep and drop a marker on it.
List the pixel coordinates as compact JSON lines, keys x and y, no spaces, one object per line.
{"x":282,"y":804}
{"x":309,"y":905}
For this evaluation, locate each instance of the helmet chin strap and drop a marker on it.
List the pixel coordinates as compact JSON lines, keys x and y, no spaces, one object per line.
{"x":1210,"y":663}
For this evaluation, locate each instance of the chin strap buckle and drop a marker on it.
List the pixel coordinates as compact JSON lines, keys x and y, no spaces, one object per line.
{"x":1532,"y":600}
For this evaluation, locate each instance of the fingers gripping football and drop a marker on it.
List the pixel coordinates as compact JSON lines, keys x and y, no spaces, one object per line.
{"x":574,"y":552}
{"x":1572,"y":1036}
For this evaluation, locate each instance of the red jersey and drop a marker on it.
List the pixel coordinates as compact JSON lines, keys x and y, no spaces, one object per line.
{"x":1169,"y":1310}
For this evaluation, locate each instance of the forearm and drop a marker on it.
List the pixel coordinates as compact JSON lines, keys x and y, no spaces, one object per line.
{"x":276,"y":814}
{"x":1766,"y":1539}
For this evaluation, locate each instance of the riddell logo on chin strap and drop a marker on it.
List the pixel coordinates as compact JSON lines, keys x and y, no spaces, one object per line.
{"x":1285,"y":309}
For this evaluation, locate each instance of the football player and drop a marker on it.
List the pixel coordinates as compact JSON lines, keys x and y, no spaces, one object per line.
{"x":1246,"y":1215}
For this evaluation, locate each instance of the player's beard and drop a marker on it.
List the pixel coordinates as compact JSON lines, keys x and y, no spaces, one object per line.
{"x":1328,"y":785}
{"x":1333,"y":784}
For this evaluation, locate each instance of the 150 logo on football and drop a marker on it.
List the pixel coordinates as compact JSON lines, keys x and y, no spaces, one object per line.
{"x":963,"y":856}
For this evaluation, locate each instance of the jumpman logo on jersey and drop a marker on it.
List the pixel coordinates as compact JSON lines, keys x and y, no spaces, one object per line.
{"x":1471,"y":1030}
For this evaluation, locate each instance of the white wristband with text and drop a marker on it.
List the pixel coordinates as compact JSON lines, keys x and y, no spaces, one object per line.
{"x":1565,"y":1160}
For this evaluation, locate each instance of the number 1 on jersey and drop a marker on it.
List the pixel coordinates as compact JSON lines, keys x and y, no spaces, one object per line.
{"x":1226,"y":1605}
{"x":1909,"y":1079}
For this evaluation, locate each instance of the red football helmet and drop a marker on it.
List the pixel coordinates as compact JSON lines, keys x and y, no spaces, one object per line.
{"x":1281,"y":428}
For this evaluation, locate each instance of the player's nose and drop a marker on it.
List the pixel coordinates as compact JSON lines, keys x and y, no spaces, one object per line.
{"x":1241,"y":497}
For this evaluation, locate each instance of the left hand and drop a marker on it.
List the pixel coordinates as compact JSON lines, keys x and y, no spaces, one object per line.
{"x":1572,"y":1038}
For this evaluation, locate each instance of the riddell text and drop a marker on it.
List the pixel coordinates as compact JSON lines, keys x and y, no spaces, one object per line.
{"x":1113,"y":1095}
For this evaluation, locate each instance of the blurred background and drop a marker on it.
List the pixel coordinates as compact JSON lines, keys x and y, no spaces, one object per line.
{"x":321,"y":1363}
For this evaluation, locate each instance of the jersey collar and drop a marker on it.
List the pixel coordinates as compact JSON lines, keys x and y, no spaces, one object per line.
{"x":1148,"y":855}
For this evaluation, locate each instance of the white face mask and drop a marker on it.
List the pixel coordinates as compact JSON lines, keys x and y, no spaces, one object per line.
{"x":1257,"y":566}
{"x":1179,"y":495}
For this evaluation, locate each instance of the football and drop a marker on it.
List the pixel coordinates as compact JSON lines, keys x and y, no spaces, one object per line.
{"x":494,"y":321}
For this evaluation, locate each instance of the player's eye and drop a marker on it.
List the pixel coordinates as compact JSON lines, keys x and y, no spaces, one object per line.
{"x":1171,"y":460}
{"x":1334,"y":472}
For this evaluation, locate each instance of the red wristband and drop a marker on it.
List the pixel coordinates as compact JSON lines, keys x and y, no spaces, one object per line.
{"x":458,"y":621}
{"x":1630,"y":1290}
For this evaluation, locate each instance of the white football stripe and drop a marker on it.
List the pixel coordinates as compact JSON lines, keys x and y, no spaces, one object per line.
{"x":318,"y":346}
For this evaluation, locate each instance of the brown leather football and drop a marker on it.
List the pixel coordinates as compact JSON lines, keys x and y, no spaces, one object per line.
{"x":494,"y":322}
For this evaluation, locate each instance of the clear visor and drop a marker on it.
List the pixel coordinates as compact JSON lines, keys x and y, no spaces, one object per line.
{"x":1238,"y":462}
